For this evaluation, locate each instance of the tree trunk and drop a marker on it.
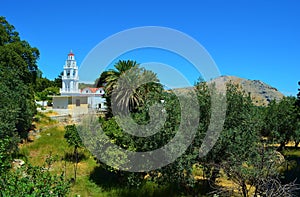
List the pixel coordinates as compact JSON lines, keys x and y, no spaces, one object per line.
{"x":244,"y":190}
{"x":76,"y":162}
{"x":214,"y":175}
{"x":255,"y":193}
{"x":281,"y":147}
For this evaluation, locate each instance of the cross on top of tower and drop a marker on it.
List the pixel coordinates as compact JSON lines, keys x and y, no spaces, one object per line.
{"x":71,"y":53}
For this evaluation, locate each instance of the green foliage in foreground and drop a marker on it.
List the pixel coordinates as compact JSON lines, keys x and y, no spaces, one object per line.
{"x":5,"y":154}
{"x":32,"y":181}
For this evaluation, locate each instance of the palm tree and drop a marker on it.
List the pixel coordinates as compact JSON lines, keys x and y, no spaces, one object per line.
{"x":128,"y":85}
{"x":109,"y":78}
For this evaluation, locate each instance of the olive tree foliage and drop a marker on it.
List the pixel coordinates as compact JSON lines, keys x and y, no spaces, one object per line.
{"x":237,"y":114}
{"x":177,"y":172}
{"x":143,"y":102}
{"x":173,"y":117}
{"x":242,"y":154}
{"x":281,"y":119}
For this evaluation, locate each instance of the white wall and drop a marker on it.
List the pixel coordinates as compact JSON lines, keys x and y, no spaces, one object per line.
{"x":94,"y":102}
{"x":60,"y":102}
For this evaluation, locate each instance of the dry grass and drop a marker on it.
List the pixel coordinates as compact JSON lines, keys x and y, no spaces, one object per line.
{"x":51,"y":113}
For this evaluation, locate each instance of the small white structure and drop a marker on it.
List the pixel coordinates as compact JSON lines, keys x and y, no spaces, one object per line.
{"x":41,"y":103}
{"x":74,"y":100}
{"x":95,"y":98}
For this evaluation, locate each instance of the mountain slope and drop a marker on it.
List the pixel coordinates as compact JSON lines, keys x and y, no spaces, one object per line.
{"x":261,"y":93}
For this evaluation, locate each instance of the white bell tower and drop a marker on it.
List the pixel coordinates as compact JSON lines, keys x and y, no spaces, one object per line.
{"x":70,"y":77}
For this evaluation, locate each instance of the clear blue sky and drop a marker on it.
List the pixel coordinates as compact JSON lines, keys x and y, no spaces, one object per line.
{"x":254,"y":39}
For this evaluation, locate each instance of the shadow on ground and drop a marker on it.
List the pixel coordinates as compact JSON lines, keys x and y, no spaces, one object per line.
{"x":71,"y":158}
{"x":112,"y":181}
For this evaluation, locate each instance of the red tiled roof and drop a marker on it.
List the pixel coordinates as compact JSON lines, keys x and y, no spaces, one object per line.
{"x":93,"y":90}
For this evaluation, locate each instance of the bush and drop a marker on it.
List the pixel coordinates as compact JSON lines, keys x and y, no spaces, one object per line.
{"x":32,"y":181}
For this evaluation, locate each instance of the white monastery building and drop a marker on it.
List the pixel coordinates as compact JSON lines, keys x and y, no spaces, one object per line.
{"x":72,"y":98}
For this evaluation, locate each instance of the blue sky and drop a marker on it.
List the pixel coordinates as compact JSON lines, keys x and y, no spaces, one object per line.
{"x":253,"y":39}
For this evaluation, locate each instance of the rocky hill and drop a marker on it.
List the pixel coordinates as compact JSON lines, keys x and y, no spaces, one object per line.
{"x":261,"y":93}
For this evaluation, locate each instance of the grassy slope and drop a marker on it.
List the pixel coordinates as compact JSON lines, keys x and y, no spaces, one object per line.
{"x":52,"y":143}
